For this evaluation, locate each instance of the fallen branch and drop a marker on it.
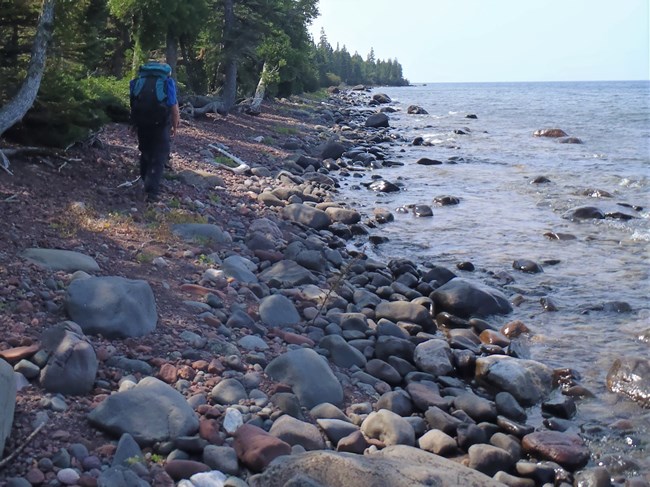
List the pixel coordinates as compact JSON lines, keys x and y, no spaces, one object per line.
{"x":243,"y":167}
{"x":17,"y":451}
{"x":11,"y":198}
{"x":128,"y":184}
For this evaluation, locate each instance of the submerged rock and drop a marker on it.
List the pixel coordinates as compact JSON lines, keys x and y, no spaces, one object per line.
{"x":552,"y":133}
{"x":631,"y":377}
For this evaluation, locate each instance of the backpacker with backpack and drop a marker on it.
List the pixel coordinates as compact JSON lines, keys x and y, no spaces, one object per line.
{"x":148,"y":95}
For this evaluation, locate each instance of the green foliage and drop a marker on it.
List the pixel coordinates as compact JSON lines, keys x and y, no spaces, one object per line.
{"x":67,"y":110}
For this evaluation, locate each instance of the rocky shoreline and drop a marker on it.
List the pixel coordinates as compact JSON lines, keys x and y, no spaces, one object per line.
{"x":266,"y":350}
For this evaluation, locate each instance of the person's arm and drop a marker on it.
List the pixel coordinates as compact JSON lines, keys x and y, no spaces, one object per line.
{"x":176,"y":118}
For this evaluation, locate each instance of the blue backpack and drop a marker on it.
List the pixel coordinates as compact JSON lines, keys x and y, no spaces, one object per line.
{"x":149,"y":95}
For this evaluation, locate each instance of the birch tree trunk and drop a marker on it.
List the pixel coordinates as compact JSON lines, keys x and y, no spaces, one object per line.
{"x":16,"y":108}
{"x":171,"y":52}
{"x":260,"y":91}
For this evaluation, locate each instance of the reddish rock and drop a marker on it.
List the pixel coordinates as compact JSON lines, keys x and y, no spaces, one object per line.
{"x":293,"y":338}
{"x":353,"y":443}
{"x":186,"y":372}
{"x":269,"y":255}
{"x":212,"y":321}
{"x":157,"y":361}
{"x":209,"y":431}
{"x":168,"y":373}
{"x":196,"y":290}
{"x":35,"y":477}
{"x":200,"y":365}
{"x":15,"y":355}
{"x":87,"y":480}
{"x":216,"y":367}
{"x":567,"y":449}
{"x":256,"y":448}
{"x":494,"y":338}
{"x":106,"y":451}
{"x":514,"y":329}
{"x":184,"y":469}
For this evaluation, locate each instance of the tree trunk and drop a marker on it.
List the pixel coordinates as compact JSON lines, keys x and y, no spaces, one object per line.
{"x":230,"y":81}
{"x":14,"y":110}
{"x":256,"y":105}
{"x":171,"y":51}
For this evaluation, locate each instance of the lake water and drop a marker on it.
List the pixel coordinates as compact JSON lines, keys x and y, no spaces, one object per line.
{"x":503,"y":217}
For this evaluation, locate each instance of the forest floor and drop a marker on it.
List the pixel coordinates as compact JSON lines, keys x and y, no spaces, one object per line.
{"x":80,"y":203}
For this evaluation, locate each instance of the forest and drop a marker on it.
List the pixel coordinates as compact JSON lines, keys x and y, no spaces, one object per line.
{"x":223,"y":49}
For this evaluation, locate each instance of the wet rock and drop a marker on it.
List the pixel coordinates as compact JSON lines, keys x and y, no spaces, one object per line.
{"x":425,"y":161}
{"x":7,"y":402}
{"x":468,"y":434}
{"x":72,"y":365}
{"x":631,"y":377}
{"x":296,"y":432}
{"x":466,"y":298}
{"x":527,"y":380}
{"x":61,"y":260}
{"x":256,"y":448}
{"x":389,"y":428}
{"x":168,"y":414}
{"x":381,"y":98}
{"x":397,"y":466}
{"x":566,"y":449}
{"x":477,"y":408}
{"x":383,"y":215}
{"x":355,"y":442}
{"x":527,"y":265}
{"x":422,"y":211}
{"x":114,"y":307}
{"x":562,"y":407}
{"x":550,"y":132}
{"x":397,"y":402}
{"x":332,"y":150}
{"x":309,"y":376}
{"x":388,"y":346}
{"x":383,"y":186}
{"x":416,"y":110}
{"x":377,"y":120}
{"x":584,"y":213}
{"x":508,"y":406}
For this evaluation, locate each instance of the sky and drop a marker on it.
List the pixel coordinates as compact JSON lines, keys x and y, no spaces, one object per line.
{"x":496,"y":40}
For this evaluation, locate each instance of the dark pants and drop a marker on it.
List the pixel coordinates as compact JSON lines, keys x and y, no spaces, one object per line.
{"x":154,"y":144}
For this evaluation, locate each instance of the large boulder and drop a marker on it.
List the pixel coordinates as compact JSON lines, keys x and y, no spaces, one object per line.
{"x":465,"y":298}
{"x":434,"y":357}
{"x":7,"y":401}
{"x":277,"y":310}
{"x":309,"y":376}
{"x":61,"y":260}
{"x":287,"y":274}
{"x":113,"y":307}
{"x":151,"y":411}
{"x":527,"y":380}
{"x":307,"y":215}
{"x":631,"y":377}
{"x":397,"y":466}
{"x":239,"y":268}
{"x":377,"y":120}
{"x":72,"y":365}
{"x":567,"y":449}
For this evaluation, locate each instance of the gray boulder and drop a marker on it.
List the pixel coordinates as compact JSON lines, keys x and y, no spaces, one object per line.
{"x":7,"y":401}
{"x":151,"y":411}
{"x":309,"y":376}
{"x":287,"y":274}
{"x":72,"y":365}
{"x":198,"y":232}
{"x":296,"y":432}
{"x":114,"y":307}
{"x":377,"y":120}
{"x":239,"y":268}
{"x":388,"y":427}
{"x":527,"y":380}
{"x":61,"y":260}
{"x":397,"y":466}
{"x":434,"y":357}
{"x":307,"y":215}
{"x":278,"y":311}
{"x":465,"y":298}
{"x":405,"y":311}
{"x":343,"y":215}
{"x":341,"y":352}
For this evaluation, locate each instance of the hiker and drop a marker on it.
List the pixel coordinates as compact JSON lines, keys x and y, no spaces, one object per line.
{"x":155,"y":116}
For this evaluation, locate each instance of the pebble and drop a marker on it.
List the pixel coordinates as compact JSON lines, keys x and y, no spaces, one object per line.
{"x":67,"y":476}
